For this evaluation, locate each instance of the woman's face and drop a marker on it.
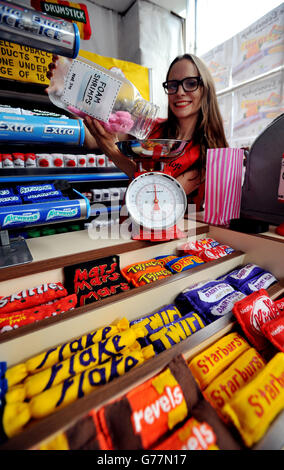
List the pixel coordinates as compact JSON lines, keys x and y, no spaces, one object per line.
{"x":184,"y":104}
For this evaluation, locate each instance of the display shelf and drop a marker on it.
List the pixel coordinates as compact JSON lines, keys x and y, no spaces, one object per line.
{"x":76,"y":175}
{"x":132,"y":304}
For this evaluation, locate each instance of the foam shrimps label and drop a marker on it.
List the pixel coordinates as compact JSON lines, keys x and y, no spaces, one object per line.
{"x":90,"y":90}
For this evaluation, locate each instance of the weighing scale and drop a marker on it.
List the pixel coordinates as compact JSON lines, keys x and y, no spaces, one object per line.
{"x":155,"y":200}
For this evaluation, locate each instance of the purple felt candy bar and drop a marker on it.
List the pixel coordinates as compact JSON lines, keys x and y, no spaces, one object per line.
{"x":240,"y":276}
{"x":262,"y":281}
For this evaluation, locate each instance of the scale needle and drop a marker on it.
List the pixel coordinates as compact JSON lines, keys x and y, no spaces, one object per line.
{"x":156,"y":201}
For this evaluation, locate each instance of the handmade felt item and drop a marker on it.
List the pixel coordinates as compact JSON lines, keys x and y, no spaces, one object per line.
{"x":242,"y":275}
{"x":64,"y":351}
{"x":256,"y":405}
{"x":45,"y":195}
{"x":217,"y":252}
{"x":261,"y":281}
{"x":10,"y":200}
{"x":150,"y":409}
{"x":6,"y":192}
{"x":35,"y":188}
{"x":203,"y":411}
{"x":37,"y":313}
{"x":76,"y":387}
{"x":274,"y":332}
{"x":236,"y":376}
{"x":252,"y":312}
{"x":197,"y":246}
{"x":32,"y":297}
{"x":191,"y":436}
{"x":13,"y":418}
{"x":183,"y":263}
{"x":151,"y":322}
{"x":163,"y":260}
{"x":139,"y":274}
{"x":208,"y":364}
{"x":84,"y":360}
{"x":95,"y":280}
{"x":169,"y":335}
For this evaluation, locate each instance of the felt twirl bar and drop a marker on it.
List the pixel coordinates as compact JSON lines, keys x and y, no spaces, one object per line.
{"x":212,"y":361}
{"x":258,"y":403}
{"x":151,"y":409}
{"x":151,"y":322}
{"x":77,"y":363}
{"x":76,"y":387}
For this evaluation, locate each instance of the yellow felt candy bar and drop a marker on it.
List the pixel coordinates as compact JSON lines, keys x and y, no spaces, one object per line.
{"x":64,"y":351}
{"x":242,"y":371}
{"x":16,"y":374}
{"x":255,"y":406}
{"x":86,"y":359}
{"x":15,"y":417}
{"x":213,"y":360}
{"x":82,"y":384}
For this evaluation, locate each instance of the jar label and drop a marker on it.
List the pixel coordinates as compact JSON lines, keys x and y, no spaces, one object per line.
{"x":90,"y":90}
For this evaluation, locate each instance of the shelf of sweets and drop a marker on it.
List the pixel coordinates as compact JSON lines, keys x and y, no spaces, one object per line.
{"x":82,"y":320}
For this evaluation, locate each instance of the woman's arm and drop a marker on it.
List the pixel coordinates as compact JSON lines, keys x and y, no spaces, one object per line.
{"x":96,"y":137}
{"x":191,"y":180}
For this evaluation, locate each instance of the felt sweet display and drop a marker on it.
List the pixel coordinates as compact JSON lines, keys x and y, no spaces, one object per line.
{"x":249,"y":278}
{"x":274,"y":332}
{"x":252,"y":313}
{"x":95,"y":280}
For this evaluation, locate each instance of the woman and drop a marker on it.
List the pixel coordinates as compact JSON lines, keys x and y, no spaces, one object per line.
{"x":193,"y":115}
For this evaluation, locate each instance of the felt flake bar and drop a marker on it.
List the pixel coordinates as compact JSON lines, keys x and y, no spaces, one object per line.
{"x":164,"y":316}
{"x":252,"y":312}
{"x":32,"y":297}
{"x":274,"y":332}
{"x":77,"y":363}
{"x":237,"y":375}
{"x":64,"y":351}
{"x":183,"y":263}
{"x":258,"y":403}
{"x":76,"y":387}
{"x":175,"y":332}
{"x":13,"y":418}
{"x":151,"y":409}
{"x":39,"y":312}
{"x":212,"y":361}
{"x":191,"y":436}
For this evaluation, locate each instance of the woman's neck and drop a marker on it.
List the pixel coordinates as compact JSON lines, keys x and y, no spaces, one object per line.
{"x":187,"y":127}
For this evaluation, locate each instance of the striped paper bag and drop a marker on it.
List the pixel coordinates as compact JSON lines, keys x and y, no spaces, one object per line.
{"x":223,"y":185}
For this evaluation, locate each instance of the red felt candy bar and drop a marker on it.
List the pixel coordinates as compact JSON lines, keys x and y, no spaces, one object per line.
{"x":197,"y":246}
{"x":31,"y":297}
{"x":216,"y":252}
{"x":39,"y":312}
{"x":280,"y":305}
{"x":274,"y":332}
{"x":254,"y":311}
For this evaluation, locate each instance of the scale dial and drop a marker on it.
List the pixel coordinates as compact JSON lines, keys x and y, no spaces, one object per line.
{"x":155,"y":200}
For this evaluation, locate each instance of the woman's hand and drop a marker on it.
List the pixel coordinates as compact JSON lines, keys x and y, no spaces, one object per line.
{"x":97,"y":137}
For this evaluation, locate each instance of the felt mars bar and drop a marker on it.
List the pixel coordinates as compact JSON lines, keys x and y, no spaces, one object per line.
{"x":212,"y":361}
{"x":151,"y":409}
{"x":83,"y":360}
{"x":33,"y":314}
{"x":191,"y":436}
{"x":244,"y":369}
{"x":256,"y":405}
{"x":32,"y":297}
{"x":76,"y":387}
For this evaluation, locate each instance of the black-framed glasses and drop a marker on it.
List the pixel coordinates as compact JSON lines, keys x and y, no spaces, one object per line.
{"x":187,"y":83}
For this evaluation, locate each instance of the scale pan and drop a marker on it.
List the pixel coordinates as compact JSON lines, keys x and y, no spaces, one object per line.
{"x":154,"y":149}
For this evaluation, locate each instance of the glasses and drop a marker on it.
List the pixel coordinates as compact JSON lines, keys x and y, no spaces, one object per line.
{"x":188,"y":84}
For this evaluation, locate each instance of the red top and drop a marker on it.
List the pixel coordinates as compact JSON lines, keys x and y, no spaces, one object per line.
{"x":181,"y":164}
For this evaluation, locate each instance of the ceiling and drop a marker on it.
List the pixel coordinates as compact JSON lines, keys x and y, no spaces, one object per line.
{"x":122,"y":5}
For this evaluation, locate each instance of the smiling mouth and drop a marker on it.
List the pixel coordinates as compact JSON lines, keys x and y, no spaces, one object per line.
{"x":182,"y":104}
